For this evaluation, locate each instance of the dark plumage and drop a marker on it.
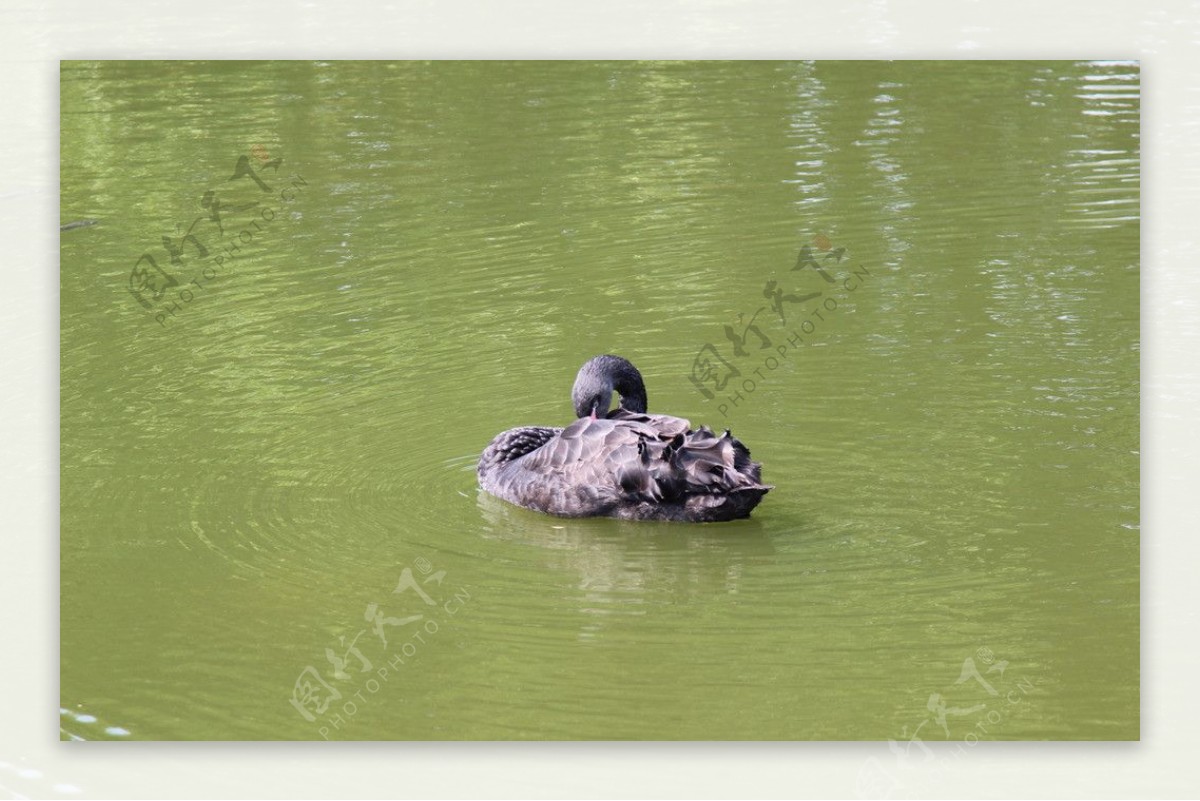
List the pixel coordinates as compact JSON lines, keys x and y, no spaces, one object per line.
{"x":624,"y":463}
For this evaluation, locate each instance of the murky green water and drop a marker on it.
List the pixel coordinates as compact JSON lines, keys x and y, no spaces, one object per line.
{"x":270,"y":524}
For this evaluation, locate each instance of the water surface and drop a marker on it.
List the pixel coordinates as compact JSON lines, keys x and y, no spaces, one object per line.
{"x":267,"y":480}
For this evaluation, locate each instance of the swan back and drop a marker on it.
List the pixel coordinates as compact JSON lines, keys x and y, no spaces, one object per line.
{"x":629,"y":465}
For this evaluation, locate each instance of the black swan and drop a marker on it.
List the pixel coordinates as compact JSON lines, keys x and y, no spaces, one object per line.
{"x":624,"y":463}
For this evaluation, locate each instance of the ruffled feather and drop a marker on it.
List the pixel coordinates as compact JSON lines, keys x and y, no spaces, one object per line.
{"x":628,"y":465}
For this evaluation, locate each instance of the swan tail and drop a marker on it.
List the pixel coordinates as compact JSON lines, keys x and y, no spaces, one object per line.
{"x":702,"y":475}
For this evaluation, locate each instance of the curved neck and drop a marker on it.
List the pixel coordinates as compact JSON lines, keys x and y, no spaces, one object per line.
{"x":627,"y":381}
{"x":599,"y":377}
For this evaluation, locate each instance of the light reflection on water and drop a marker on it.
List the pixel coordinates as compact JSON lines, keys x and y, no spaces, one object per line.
{"x":954,"y":449}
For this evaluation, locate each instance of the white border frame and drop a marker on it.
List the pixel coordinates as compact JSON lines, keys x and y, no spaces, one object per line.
{"x":35,"y":35}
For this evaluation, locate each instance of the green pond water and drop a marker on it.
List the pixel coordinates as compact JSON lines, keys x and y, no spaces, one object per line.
{"x":270,"y":524}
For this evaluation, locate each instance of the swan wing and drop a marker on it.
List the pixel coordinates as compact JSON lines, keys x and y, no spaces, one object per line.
{"x":632,"y":465}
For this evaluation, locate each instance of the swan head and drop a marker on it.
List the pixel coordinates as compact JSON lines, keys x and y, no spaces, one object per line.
{"x":599,"y":377}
